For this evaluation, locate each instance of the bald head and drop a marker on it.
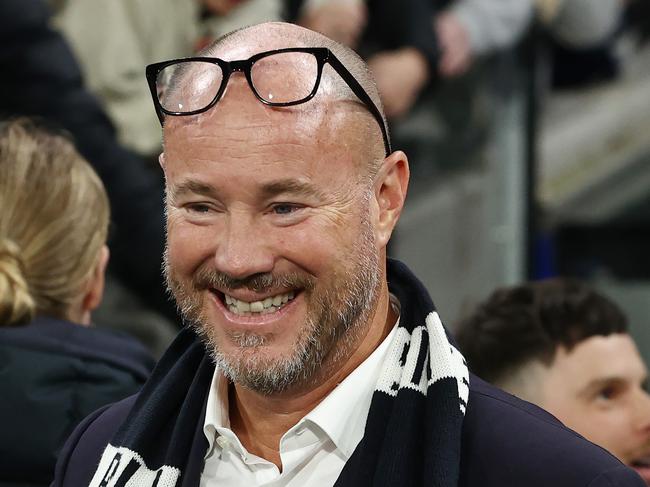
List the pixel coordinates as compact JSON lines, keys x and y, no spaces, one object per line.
{"x":353,"y":123}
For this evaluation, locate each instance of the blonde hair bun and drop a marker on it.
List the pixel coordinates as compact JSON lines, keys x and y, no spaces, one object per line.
{"x":53,"y":223}
{"x":16,"y":302}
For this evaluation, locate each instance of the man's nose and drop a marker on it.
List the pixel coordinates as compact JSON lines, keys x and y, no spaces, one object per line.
{"x":243,"y":248}
{"x":643,"y":411}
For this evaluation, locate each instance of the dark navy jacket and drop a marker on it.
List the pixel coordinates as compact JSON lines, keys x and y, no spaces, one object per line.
{"x":506,"y":442}
{"x":53,"y":374}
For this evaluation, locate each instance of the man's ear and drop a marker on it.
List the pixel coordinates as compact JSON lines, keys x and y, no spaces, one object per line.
{"x":161,"y":160}
{"x":391,"y":184}
{"x":95,"y":289}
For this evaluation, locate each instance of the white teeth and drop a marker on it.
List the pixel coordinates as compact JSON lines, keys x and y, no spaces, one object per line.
{"x":268,"y":305}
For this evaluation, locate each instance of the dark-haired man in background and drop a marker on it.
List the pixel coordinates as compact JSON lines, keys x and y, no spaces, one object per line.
{"x":565,"y":347}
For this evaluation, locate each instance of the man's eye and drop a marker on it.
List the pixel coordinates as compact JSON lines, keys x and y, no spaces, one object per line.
{"x":607,"y":393}
{"x":285,"y":208}
{"x":197,"y":208}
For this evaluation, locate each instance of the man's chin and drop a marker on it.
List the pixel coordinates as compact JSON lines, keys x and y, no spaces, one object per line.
{"x":266,"y":377}
{"x":258,"y":363}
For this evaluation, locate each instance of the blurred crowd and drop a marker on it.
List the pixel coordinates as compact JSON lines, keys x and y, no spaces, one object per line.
{"x":78,"y":65}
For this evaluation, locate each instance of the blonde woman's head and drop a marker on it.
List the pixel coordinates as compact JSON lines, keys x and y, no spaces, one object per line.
{"x":54,"y":217}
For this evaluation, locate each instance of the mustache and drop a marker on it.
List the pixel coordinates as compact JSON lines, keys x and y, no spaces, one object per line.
{"x":208,"y":278}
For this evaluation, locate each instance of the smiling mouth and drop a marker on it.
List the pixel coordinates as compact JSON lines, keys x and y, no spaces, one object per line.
{"x":268,"y":305}
{"x":643,"y":462}
{"x":642,"y":466}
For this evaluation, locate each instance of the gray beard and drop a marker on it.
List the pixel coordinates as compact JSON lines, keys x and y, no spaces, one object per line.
{"x":336,"y":317}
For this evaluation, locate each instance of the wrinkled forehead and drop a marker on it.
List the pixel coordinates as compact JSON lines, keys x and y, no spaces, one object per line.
{"x":239,"y":126}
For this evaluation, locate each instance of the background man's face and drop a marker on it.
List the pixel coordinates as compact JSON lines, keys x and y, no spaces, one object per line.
{"x":597,"y":389}
{"x":271,"y":244}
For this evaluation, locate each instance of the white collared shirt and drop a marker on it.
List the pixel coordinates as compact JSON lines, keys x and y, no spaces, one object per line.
{"x":313,"y":452}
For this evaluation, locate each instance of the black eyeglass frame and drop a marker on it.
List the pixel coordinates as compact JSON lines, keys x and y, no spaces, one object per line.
{"x":322,"y":54}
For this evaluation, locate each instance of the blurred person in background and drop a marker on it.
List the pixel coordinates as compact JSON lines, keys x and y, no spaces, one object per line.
{"x":114,"y":69}
{"x":40,"y":78}
{"x":54,"y":368}
{"x":637,"y":17}
{"x":394,"y":37}
{"x":581,"y":24}
{"x":563,"y":346}
{"x":428,"y":58}
{"x":468,"y":29}
{"x":581,"y":35}
{"x":457,"y":32}
{"x":113,"y":41}
{"x":223,"y":16}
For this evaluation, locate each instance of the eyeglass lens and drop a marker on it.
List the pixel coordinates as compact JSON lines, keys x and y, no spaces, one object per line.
{"x":188,"y":86}
{"x":285,"y":77}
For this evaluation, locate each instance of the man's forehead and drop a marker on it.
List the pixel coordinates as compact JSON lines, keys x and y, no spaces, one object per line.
{"x":240,"y":116}
{"x":601,"y":356}
{"x":240,"y":133}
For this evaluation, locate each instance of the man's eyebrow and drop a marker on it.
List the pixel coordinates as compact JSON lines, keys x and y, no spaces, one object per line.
{"x":192,"y":187}
{"x":596,"y":384}
{"x":291,"y":186}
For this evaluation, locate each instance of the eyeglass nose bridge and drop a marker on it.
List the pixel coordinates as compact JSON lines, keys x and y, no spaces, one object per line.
{"x":241,"y":66}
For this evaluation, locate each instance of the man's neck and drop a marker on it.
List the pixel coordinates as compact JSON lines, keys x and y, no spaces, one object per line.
{"x":259,"y":421}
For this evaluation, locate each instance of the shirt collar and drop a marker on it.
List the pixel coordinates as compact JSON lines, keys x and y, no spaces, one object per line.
{"x":216,"y":413}
{"x":343,"y":413}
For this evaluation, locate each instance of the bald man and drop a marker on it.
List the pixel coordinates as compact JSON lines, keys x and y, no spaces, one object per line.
{"x":308,"y":358}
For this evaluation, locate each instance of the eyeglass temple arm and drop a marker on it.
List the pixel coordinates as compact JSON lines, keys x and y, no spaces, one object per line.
{"x":358,"y":90}
{"x":151,"y":71}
